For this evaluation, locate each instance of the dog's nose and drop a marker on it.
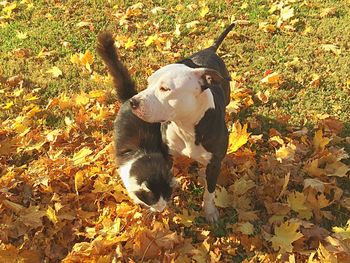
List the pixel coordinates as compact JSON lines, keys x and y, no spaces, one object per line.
{"x":134,"y":103}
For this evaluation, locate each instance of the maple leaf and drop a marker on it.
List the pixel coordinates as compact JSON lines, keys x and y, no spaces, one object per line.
{"x":313,"y":169}
{"x":286,"y":152}
{"x":185,"y":218}
{"x":285,"y":235}
{"x":222,"y":197}
{"x":238,"y":137}
{"x":297,"y":202}
{"x":241,"y":186}
{"x":204,"y":11}
{"x":55,"y":71}
{"x":79,"y":157}
{"x":319,"y":141}
{"x":342,"y":232}
{"x":246,"y":228}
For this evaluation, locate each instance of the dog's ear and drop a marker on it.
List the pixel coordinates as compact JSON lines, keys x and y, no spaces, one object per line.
{"x":208,"y":77}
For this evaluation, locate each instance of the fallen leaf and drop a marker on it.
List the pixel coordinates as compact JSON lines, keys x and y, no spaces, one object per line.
{"x":273,"y":78}
{"x":333,"y":48}
{"x":55,"y":71}
{"x":222,"y":197}
{"x":238,"y":137}
{"x":319,"y":141}
{"x":284,"y":236}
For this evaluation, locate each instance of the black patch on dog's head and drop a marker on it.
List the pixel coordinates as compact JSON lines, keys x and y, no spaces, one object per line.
{"x":154,"y":171}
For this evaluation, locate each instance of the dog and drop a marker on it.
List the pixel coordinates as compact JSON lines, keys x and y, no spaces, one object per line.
{"x":189,"y":98}
{"x":144,"y":163}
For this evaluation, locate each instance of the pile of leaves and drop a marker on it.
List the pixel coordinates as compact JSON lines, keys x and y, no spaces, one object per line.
{"x":283,"y":194}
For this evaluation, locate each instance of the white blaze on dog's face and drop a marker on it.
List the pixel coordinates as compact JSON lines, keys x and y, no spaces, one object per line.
{"x":174,"y":92}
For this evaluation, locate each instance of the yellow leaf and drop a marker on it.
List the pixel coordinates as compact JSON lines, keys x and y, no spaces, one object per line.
{"x":266,"y":27}
{"x":8,"y":9}
{"x":150,"y":40}
{"x":238,"y":137}
{"x":246,"y":228}
{"x":343,"y":232}
{"x":286,"y":152}
{"x":222,"y":197}
{"x":55,"y":71}
{"x":286,"y":13}
{"x":319,"y":141}
{"x":97,"y":94}
{"x":78,"y":181}
{"x":273,"y":78}
{"x":82,"y":99}
{"x":80,"y":156}
{"x":297,"y":200}
{"x":328,"y":12}
{"x":204,"y":11}
{"x":185,"y":218}
{"x":313,"y":169}
{"x":87,"y":58}
{"x":177,"y":31}
{"x":21,"y":35}
{"x":325,"y":255}
{"x":51,"y":214}
{"x":130,"y":44}
{"x":333,"y":48}
{"x":285,"y":235}
{"x":8,"y":105}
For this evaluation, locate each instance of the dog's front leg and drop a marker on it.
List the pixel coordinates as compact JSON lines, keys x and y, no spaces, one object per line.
{"x":212,"y":172}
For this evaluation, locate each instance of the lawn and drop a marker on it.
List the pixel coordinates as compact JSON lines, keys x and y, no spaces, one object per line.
{"x":284,"y":185}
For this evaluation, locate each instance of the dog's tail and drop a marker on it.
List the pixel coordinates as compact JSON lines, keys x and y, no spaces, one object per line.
{"x":218,"y":42}
{"x":122,"y":81}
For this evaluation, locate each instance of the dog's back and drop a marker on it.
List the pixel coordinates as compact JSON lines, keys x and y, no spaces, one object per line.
{"x":207,"y":58}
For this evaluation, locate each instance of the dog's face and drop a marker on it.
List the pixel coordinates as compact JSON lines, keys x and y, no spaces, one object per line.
{"x":148,"y":180}
{"x":173,"y":92}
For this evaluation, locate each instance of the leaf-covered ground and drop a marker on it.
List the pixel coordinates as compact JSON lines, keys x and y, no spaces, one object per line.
{"x":284,"y":185}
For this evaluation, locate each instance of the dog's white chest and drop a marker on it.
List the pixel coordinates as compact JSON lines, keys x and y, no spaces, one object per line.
{"x":182,"y":142}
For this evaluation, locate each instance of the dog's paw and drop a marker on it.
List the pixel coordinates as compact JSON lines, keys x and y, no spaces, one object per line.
{"x":211,"y":213}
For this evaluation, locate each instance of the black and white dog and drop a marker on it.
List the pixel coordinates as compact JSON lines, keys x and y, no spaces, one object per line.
{"x":142,"y":157}
{"x":189,"y":98}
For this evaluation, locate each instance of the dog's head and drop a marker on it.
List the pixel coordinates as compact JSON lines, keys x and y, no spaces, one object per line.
{"x":148,"y":180}
{"x":174,"y":92}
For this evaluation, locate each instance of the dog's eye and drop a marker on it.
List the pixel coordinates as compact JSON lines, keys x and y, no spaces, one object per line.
{"x":163,"y":88}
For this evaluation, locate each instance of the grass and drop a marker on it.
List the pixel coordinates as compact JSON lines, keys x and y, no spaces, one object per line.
{"x":54,"y":27}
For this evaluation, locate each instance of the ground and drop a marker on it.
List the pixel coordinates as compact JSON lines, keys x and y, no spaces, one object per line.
{"x":284,"y":184}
